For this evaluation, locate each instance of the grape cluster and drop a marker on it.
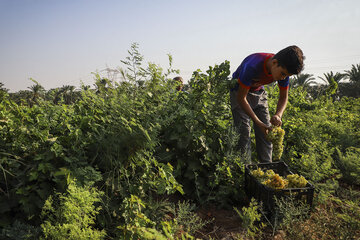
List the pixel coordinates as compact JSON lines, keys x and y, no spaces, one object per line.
{"x":276,"y":136}
{"x":275,"y":181}
{"x":269,"y":173}
{"x":258,"y":173}
{"x":296,"y":181}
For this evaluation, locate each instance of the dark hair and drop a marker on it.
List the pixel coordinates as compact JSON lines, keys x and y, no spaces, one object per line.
{"x":180,"y":83}
{"x":291,"y":58}
{"x":178,"y":79}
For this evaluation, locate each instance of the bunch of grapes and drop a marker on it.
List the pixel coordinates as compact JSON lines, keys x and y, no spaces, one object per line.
{"x":269,"y":173}
{"x":258,"y":173}
{"x":275,"y":182}
{"x":296,"y":181}
{"x":276,"y":136}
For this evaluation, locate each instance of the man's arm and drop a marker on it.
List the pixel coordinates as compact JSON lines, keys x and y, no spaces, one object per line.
{"x":241,"y":97}
{"x":283,"y":98}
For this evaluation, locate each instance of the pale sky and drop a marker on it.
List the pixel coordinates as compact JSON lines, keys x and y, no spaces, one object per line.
{"x":62,"y":42}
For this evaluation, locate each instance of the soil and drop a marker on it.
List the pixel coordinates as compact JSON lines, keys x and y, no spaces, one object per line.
{"x":226,"y":225}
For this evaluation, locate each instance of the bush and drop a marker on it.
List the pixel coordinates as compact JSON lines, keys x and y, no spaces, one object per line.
{"x":349,"y":165}
{"x":72,"y":215}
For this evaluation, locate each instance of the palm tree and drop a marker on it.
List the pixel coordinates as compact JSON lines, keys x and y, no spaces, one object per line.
{"x":22,"y":97}
{"x":329,"y":77}
{"x":85,"y":87}
{"x":332,"y":88}
{"x":302,"y":79}
{"x":3,"y":91}
{"x":37,"y":91}
{"x":354,"y":74}
{"x":2,"y":87}
{"x":351,"y":88}
{"x":68,"y":93}
{"x":102,"y":84}
{"x":53,"y":95}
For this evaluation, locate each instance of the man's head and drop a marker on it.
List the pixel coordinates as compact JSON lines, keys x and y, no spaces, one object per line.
{"x":180,"y":83}
{"x":291,"y":58}
{"x":286,"y":62}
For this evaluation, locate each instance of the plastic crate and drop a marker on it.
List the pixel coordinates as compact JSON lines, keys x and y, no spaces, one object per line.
{"x":266,"y":195}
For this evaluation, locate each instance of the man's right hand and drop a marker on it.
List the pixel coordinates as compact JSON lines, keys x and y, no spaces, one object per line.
{"x":264,"y":128}
{"x":242,"y":93}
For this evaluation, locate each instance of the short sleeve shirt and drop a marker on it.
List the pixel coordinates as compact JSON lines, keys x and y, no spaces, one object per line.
{"x":253,"y":75}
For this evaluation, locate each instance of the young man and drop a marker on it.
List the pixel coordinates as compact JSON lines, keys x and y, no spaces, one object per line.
{"x":180,"y":83}
{"x":249,"y":99}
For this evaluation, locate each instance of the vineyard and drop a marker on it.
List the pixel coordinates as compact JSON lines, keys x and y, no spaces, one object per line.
{"x":137,"y":159}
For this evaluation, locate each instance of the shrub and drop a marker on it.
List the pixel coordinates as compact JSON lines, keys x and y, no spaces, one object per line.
{"x":249,"y":216}
{"x":349,"y":165}
{"x":72,"y":215}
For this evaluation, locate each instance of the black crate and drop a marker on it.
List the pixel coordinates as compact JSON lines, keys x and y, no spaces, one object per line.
{"x":266,"y":195}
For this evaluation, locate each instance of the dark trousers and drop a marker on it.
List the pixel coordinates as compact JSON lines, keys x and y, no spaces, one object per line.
{"x":258,"y":102}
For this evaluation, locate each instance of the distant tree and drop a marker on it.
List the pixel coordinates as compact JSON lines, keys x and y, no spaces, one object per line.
{"x":2,"y":88}
{"x":85,"y":87}
{"x":302,"y":79}
{"x":3,"y":91}
{"x":68,"y":93}
{"x":351,"y":88}
{"x":37,"y":91}
{"x":22,"y":97}
{"x":53,"y":95}
{"x":102,"y":84}
{"x":354,"y":74}
{"x":332,"y":87}
{"x":329,"y":77}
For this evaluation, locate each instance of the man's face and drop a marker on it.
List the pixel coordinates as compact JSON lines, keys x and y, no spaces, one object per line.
{"x":278,"y":72}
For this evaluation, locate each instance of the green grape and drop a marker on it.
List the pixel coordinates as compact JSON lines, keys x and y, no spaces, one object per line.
{"x":258,"y":173}
{"x":275,"y":182}
{"x":296,"y":181}
{"x":276,"y":136}
{"x":269,"y":173}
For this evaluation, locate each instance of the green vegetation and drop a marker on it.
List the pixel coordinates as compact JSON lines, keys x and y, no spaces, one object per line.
{"x":73,"y":215}
{"x":114,"y":161}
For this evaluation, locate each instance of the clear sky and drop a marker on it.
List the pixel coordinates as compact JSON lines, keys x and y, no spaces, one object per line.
{"x":62,"y":42}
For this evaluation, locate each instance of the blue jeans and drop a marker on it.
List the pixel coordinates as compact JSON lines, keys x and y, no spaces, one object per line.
{"x":258,"y":102}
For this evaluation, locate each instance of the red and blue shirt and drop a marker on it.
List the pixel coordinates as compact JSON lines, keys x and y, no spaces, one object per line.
{"x":253,"y":75}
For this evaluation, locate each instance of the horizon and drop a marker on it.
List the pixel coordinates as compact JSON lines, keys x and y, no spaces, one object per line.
{"x":63,"y":43}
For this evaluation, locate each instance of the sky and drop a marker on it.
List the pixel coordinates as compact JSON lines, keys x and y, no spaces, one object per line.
{"x":64,"y":42}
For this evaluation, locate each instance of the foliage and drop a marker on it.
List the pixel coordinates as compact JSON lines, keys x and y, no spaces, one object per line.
{"x":20,"y":231}
{"x":349,"y":164}
{"x":290,"y":213}
{"x":337,"y":77}
{"x":107,"y":138}
{"x":198,"y":138}
{"x":314,"y":129}
{"x":302,"y":79}
{"x":140,"y":137}
{"x":249,"y":216}
{"x":353,"y":74}
{"x":335,"y":219}
{"x":185,"y":217}
{"x":3,"y":91}
{"x":71,"y":215}
{"x":174,"y":222}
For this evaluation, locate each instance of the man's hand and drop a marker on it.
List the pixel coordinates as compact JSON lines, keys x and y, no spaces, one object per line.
{"x":276,"y":120}
{"x":264,"y":128}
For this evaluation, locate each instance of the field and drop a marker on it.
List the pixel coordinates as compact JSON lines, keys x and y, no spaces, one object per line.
{"x":137,"y":159}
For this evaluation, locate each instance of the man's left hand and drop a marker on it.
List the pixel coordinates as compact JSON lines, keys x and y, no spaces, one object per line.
{"x":276,"y":120}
